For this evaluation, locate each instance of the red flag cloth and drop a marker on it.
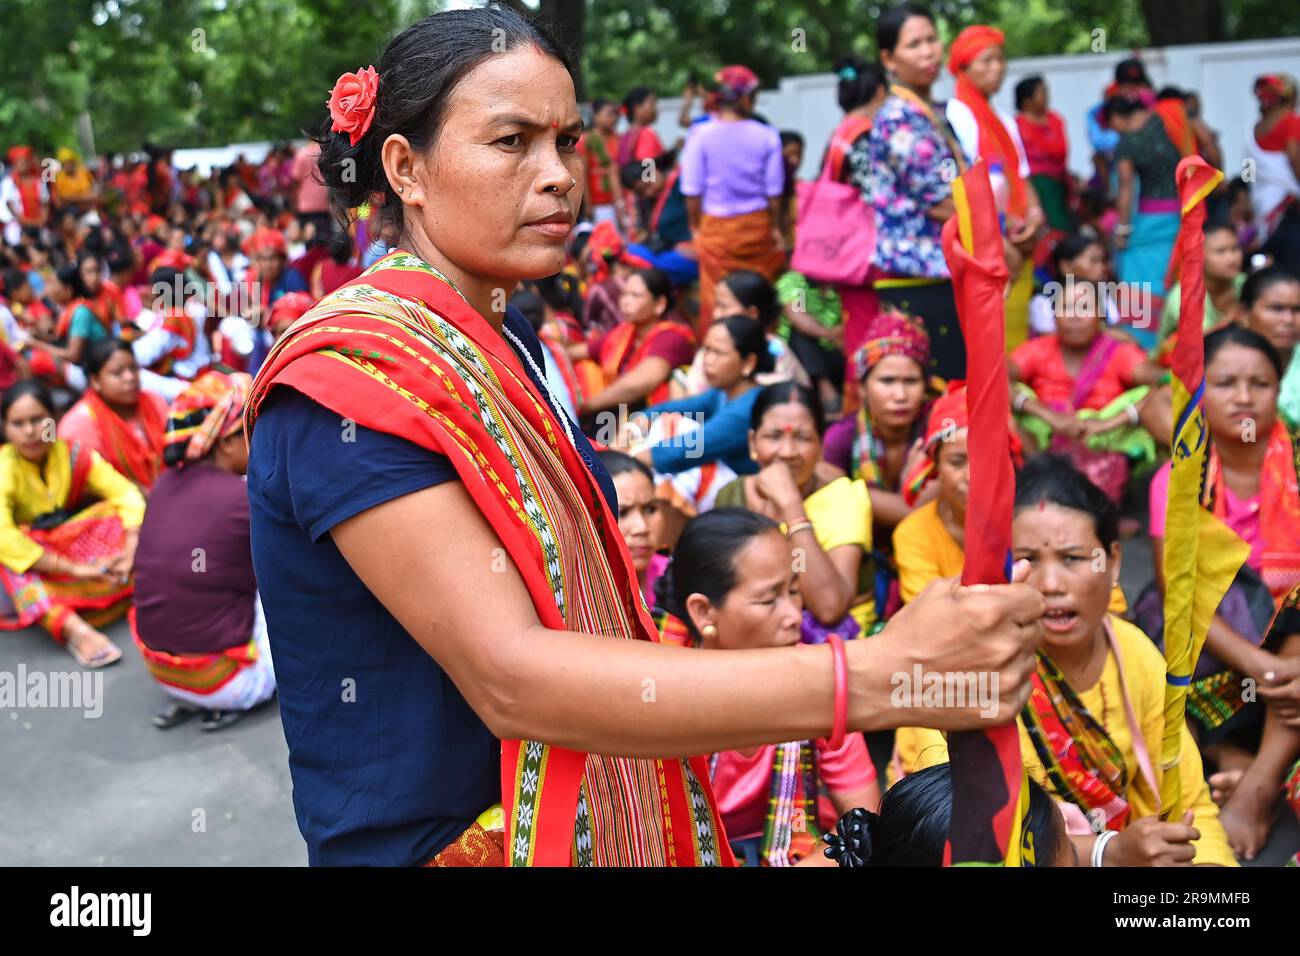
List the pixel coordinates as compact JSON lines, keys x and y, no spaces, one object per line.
{"x":1196,"y":179}
{"x":987,"y":775}
{"x":972,"y":244}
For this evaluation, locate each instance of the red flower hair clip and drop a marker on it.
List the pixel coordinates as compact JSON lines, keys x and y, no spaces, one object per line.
{"x":352,"y":103}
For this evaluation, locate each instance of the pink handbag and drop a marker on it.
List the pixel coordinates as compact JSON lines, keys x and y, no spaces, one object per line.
{"x":835,"y":233}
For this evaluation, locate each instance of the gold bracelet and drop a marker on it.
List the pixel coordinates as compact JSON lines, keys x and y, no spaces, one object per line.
{"x":802,"y":524}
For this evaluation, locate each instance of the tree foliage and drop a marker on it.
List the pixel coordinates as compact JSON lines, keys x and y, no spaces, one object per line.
{"x":178,"y":72}
{"x":211,"y":72}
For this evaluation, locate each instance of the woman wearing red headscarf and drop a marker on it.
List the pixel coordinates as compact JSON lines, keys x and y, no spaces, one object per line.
{"x":1274,"y":146}
{"x":979,"y":63}
{"x":268,"y":280}
{"x":733,"y":177}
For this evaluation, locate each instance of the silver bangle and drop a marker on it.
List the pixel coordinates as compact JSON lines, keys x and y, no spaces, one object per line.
{"x":1099,"y":846}
{"x":1018,"y":403}
{"x":1133,"y":416}
{"x":1123,"y":228}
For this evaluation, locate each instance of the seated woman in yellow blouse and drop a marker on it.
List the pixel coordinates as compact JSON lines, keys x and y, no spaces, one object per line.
{"x":929,"y":543}
{"x":1091,"y":731}
{"x":828,"y":519}
{"x":68,"y":529}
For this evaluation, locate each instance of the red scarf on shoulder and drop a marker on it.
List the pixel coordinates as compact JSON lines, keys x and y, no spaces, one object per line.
{"x":125,"y":450}
{"x":399,"y":350}
{"x":995,"y":142}
{"x":618,"y":354}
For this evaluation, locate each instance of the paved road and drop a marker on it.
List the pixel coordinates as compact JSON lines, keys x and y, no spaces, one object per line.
{"x":113,"y":790}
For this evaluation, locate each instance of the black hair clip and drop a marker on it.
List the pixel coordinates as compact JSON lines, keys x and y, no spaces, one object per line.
{"x":850,"y":844}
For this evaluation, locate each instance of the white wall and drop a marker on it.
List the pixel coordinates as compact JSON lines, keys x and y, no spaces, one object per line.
{"x":1222,"y":73}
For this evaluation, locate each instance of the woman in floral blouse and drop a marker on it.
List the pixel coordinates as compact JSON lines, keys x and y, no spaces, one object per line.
{"x":914,"y":160}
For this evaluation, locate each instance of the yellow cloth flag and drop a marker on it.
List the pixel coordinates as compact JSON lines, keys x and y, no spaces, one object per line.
{"x":1202,"y":555}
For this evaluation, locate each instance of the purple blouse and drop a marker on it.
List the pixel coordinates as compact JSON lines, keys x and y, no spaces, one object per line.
{"x":735,"y":166}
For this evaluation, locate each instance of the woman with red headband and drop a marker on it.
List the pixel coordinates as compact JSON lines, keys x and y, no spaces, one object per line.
{"x":268,"y":280}
{"x":979,"y":63}
{"x":733,"y":177}
{"x":1274,"y":145}
{"x":24,"y":197}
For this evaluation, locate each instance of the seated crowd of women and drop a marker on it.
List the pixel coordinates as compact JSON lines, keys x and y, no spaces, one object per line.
{"x":756,"y":518}
{"x":128,"y":506}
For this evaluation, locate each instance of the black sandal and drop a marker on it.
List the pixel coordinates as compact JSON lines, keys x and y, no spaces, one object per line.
{"x":220,"y":719}
{"x":172,"y":715}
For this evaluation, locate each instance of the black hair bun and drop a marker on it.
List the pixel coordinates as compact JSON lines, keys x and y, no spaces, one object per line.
{"x":850,"y":844}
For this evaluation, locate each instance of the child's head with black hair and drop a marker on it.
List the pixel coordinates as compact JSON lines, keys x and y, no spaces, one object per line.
{"x":860,"y":82}
{"x":641,"y":106}
{"x":912,"y":826}
{"x":17,"y":287}
{"x":1223,"y":255}
{"x":531,"y":305}
{"x":1031,"y":94}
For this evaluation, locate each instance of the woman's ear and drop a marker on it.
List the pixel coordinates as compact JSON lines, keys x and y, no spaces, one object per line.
{"x":1116,"y":560}
{"x":753,"y":449}
{"x":887,"y":61}
{"x":403,"y":167}
{"x":700,"y":611}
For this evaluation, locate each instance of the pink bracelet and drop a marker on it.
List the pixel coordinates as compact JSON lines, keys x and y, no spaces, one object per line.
{"x":841,"y":694}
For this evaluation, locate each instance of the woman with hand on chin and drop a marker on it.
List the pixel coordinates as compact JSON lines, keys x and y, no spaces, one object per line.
{"x":437,"y":544}
{"x":828,"y":519}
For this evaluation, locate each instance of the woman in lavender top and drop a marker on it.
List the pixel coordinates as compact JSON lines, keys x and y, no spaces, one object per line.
{"x":733,"y":176}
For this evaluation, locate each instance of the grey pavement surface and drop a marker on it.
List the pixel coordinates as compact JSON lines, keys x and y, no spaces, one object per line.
{"x":116,"y":791}
{"x":113,"y":790}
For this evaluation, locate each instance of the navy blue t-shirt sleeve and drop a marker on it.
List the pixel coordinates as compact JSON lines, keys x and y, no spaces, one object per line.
{"x":332,"y":470}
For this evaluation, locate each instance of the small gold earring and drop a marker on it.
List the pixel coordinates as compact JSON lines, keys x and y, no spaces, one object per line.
{"x":709,"y":631}
{"x":399,"y":189}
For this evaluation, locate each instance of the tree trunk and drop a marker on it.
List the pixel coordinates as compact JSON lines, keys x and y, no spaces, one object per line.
{"x":1174,"y":22}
